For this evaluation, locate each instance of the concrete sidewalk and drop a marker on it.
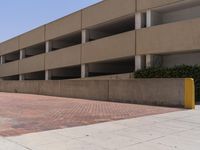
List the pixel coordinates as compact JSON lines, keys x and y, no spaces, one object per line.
{"x":172,"y":131}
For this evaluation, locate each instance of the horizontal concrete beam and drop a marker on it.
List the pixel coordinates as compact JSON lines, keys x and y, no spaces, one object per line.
{"x":163,"y":92}
{"x":106,"y":11}
{"x":9,"y":69}
{"x":149,"y":40}
{"x":113,"y":47}
{"x":149,"y":4}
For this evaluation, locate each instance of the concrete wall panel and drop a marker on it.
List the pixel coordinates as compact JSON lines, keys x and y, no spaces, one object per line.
{"x":118,"y":46}
{"x":32,"y":64}
{"x":9,"y":69}
{"x":168,"y":38}
{"x":49,"y":88}
{"x":30,"y":87}
{"x":64,"y":26}
{"x":106,"y":11}
{"x":33,"y":37}
{"x":63,"y":58}
{"x":164,"y":92}
{"x":9,"y":46}
{"x":9,"y":86}
{"x":90,"y":89}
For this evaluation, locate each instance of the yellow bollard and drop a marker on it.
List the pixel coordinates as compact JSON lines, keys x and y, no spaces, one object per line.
{"x":189,"y":102}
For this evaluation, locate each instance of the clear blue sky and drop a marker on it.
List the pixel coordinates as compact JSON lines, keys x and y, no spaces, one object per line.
{"x":19,"y":16}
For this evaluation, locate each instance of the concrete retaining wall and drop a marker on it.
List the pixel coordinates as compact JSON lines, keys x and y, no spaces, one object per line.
{"x":164,"y":92}
{"x":91,"y":89}
{"x":167,"y":92}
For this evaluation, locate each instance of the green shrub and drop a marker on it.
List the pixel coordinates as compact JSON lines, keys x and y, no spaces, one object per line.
{"x":182,"y":71}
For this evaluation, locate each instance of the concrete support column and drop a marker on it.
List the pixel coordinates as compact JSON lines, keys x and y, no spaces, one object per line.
{"x":48,"y":46}
{"x":149,"y":21}
{"x":85,"y":36}
{"x":153,"y":61}
{"x":84,"y":70}
{"x":139,"y":20}
{"x":139,"y":23}
{"x":149,"y":61}
{"x":21,"y":77}
{"x":2,"y":60}
{"x":84,"y":67}
{"x":153,"y":18}
{"x":139,"y":62}
{"x":48,"y":75}
{"x":22,"y":54}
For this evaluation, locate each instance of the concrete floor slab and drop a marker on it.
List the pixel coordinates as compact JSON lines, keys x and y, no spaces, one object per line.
{"x":33,"y":140}
{"x":143,"y":135}
{"x":110,"y":141}
{"x":179,"y":124}
{"x":69,"y":145}
{"x":148,"y":146}
{"x":8,"y":145}
{"x":84,"y":131}
{"x":177,"y":142}
{"x":192,"y":119}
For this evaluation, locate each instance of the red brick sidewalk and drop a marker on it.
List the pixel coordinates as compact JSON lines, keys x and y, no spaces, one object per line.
{"x":21,"y":113}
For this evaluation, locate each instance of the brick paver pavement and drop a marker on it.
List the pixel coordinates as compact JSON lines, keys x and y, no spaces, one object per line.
{"x":23,"y":113}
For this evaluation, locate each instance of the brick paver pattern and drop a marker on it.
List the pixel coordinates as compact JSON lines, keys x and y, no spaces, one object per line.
{"x":23,"y":113}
